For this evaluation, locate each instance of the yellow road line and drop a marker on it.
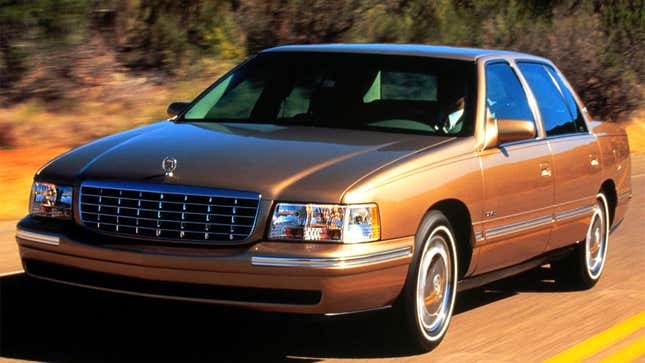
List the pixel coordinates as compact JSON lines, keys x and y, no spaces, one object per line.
{"x":601,"y":341}
{"x":628,"y":353}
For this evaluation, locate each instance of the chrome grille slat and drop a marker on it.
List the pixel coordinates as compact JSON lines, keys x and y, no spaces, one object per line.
{"x":168,"y":212}
{"x":169,"y":230}
{"x":165,"y":220}
{"x":167,"y":201}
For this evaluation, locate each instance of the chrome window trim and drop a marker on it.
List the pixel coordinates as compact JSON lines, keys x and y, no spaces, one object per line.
{"x":38,"y":237}
{"x":530,"y":99}
{"x":170,"y":188}
{"x":570,"y":134}
{"x":521,"y":142}
{"x":565,"y":81}
{"x":546,"y":138}
{"x":512,"y":61}
{"x":350,"y":261}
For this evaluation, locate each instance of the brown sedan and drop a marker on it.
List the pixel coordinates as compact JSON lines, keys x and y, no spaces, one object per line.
{"x":335,"y":179}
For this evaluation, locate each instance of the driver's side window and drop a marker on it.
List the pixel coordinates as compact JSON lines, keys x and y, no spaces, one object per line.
{"x":505,"y":97}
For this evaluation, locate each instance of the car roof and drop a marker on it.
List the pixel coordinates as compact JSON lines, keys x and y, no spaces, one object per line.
{"x":433,"y":51}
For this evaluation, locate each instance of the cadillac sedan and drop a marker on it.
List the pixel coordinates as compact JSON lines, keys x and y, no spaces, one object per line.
{"x":336,"y":179}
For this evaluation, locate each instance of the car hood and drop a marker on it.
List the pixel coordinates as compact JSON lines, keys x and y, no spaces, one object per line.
{"x":293,"y":163}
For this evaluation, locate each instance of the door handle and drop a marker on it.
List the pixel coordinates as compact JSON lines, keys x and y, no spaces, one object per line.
{"x":593,"y":160}
{"x":545,"y":169}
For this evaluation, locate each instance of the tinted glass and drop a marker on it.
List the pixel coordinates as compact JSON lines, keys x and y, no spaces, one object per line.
{"x":402,"y":86}
{"x":556,"y":117}
{"x":375,"y":92}
{"x":505,"y":96}
{"x":409,"y":86}
{"x":229,"y":105}
{"x":581,"y":126}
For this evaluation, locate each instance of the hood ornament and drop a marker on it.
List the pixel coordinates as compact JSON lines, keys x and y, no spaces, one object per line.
{"x":169,"y":164}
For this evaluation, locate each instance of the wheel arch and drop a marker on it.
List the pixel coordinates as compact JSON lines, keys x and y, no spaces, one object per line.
{"x":608,"y":188}
{"x":459,"y":216}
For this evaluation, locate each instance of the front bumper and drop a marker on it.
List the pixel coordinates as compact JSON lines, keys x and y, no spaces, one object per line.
{"x":312,"y":278}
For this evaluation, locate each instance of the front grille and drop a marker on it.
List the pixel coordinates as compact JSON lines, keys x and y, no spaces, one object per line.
{"x":168,"y":212}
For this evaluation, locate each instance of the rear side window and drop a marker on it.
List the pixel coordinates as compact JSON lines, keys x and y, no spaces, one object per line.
{"x":505,"y":97}
{"x":581,"y":126}
{"x":557,"y":118}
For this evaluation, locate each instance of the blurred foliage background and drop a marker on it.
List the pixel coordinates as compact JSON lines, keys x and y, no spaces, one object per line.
{"x":72,"y":70}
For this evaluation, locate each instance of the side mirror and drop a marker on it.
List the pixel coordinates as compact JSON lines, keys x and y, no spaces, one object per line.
{"x":515,"y":130}
{"x":176,"y":108}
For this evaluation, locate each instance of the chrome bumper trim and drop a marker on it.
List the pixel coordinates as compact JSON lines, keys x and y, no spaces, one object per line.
{"x":38,"y":237}
{"x":332,"y":262}
{"x":360,"y":311}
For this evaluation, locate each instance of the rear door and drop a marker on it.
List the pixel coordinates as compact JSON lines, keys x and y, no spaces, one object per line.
{"x":518,"y":183}
{"x":576,"y":164}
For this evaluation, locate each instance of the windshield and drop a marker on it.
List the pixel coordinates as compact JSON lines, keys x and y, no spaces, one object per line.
{"x":357,"y":91}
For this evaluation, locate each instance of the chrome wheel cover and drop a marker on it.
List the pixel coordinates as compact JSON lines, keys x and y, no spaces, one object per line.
{"x":596,"y":239}
{"x":436,"y":283}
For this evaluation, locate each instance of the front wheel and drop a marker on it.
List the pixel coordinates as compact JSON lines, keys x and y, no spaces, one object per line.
{"x":582,"y":269}
{"x":427,"y":301}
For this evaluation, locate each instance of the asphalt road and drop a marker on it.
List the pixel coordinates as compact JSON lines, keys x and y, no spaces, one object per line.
{"x":526,"y":318}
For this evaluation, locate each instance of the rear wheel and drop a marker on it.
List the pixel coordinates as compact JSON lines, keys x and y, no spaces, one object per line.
{"x":582,"y":269}
{"x":426,"y":304}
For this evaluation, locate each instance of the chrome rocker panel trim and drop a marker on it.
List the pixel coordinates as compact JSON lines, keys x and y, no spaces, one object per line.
{"x":519,"y":226}
{"x":351,"y":261}
{"x":479,"y":235}
{"x":534,"y":222}
{"x":575,"y":212}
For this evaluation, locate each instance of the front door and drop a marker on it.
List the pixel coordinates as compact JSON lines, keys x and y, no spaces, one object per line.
{"x":518,"y":181}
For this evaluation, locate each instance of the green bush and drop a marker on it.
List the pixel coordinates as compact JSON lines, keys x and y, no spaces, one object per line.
{"x":599,"y":45}
{"x":267,"y":23}
{"x":35,"y":32}
{"x":44,"y":44}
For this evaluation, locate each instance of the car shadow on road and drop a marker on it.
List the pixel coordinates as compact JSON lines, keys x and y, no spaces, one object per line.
{"x":50,"y":322}
{"x":541,"y":279}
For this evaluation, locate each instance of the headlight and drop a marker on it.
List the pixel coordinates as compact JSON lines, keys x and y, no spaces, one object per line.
{"x":325,"y":222}
{"x":50,"y":200}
